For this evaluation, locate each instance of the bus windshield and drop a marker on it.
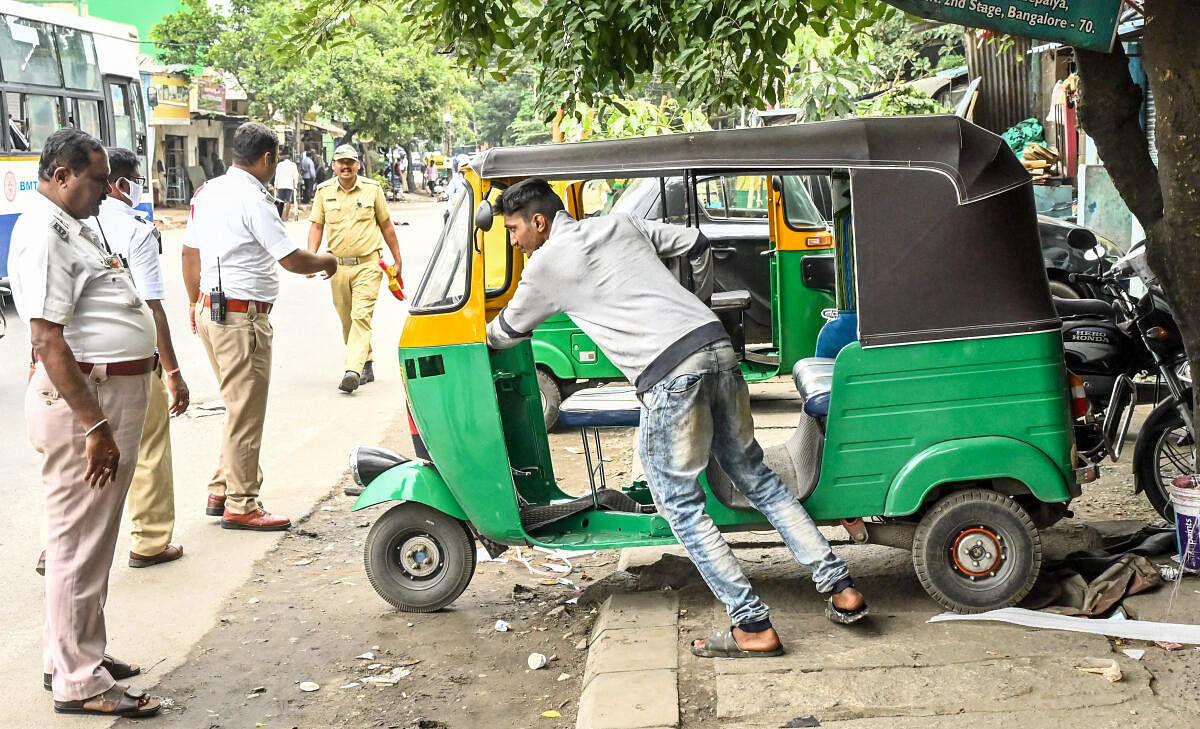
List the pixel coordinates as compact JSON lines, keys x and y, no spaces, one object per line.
{"x":54,"y":74}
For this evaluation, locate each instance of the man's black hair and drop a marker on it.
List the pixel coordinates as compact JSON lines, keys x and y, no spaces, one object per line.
{"x":528,"y":198}
{"x":251,"y":141}
{"x":70,"y":148}
{"x":285,"y":153}
{"x":121,"y":163}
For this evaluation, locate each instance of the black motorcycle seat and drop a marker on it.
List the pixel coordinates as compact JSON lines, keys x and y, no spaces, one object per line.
{"x":1082,"y":307}
{"x":813,"y":377}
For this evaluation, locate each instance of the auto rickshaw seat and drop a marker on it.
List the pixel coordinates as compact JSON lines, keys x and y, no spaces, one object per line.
{"x":730,"y":300}
{"x":837,"y":333}
{"x":813,"y":377}
{"x":601,"y":407}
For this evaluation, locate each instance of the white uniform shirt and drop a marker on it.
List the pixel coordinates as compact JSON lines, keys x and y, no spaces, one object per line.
{"x":59,"y":275}
{"x":136,"y":240}
{"x":286,"y":175}
{"x":234,"y":219}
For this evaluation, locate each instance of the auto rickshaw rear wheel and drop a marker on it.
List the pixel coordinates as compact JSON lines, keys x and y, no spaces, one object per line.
{"x":977,"y":550}
{"x":551,"y":393}
{"x":418,"y":558}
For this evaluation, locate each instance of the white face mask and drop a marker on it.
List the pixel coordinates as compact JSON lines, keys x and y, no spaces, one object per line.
{"x":134,"y":194}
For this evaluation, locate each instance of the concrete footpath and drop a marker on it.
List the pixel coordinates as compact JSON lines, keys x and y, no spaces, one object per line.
{"x":892,"y":671}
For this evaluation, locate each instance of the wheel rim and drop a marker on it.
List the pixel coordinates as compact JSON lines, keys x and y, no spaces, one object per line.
{"x":977,"y":552}
{"x":416,"y":559}
{"x":1173,"y":454}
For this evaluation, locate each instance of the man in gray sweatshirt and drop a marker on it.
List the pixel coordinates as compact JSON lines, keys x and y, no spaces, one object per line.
{"x":606,"y":273}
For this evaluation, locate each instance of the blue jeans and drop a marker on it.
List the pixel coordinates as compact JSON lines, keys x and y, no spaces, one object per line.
{"x":703,"y":406}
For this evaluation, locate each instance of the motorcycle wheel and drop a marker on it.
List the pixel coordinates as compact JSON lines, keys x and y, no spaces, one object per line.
{"x":1163,"y":451}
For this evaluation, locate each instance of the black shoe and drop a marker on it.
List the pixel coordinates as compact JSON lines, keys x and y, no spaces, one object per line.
{"x":368,"y":374}
{"x":349,"y":382}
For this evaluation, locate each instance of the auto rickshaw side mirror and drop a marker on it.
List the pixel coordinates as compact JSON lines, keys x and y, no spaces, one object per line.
{"x":776,"y":183}
{"x":1081,"y":239}
{"x":484,"y":216}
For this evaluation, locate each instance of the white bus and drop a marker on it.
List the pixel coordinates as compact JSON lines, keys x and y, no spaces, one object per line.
{"x":58,"y":70}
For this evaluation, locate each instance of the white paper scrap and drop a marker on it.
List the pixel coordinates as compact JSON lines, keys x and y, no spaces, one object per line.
{"x":1133,"y":629}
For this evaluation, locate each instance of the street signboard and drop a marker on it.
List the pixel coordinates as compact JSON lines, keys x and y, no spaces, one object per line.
{"x":1090,"y":24}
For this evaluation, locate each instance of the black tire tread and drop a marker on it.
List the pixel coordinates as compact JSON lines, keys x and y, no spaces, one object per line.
{"x":550,"y":389}
{"x":1145,"y":461}
{"x":416,"y":511}
{"x":921,"y":535}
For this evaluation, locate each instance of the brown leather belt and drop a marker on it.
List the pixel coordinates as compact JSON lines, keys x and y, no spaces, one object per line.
{"x":238,"y":306}
{"x":127,"y":368}
{"x":124,"y":369}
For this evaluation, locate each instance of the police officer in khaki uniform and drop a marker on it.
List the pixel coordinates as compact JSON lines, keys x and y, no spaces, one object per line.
{"x":93,"y":342}
{"x":234,"y":238}
{"x":351,"y":213}
{"x":136,"y":240}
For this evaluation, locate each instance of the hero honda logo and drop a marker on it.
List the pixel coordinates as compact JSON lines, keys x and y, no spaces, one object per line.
{"x":10,"y":186}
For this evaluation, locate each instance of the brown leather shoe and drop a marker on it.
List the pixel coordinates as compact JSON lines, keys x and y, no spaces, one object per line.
{"x":170,"y":554}
{"x":257,"y":521}
{"x":215,"y":506}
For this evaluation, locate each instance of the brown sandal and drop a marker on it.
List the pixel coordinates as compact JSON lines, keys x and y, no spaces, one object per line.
{"x":118,"y":669}
{"x":119,"y":700}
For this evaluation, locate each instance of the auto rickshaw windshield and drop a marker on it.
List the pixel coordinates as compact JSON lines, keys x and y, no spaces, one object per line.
{"x":445,"y":283}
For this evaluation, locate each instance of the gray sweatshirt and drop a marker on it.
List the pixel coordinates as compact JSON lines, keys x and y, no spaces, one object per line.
{"x":606,"y":273}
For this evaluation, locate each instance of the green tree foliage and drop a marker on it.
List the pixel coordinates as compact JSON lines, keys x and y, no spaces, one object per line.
{"x":621,"y":118}
{"x":900,"y":101}
{"x":498,"y":105}
{"x":375,"y":77}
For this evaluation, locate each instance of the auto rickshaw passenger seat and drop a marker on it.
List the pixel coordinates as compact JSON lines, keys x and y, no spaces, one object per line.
{"x":836,"y":334}
{"x":813,"y":377}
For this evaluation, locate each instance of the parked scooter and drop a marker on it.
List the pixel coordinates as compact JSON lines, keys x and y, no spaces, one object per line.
{"x":1115,"y":349}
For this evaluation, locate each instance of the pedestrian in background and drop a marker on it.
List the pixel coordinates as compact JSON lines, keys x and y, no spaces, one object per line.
{"x":287,"y":175}
{"x":218,"y":166}
{"x":431,"y":175}
{"x":350,"y":212}
{"x":93,"y":345}
{"x":137,"y":241}
{"x":234,"y":237}
{"x":308,"y":173}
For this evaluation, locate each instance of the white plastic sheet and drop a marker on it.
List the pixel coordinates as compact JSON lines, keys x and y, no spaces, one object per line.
{"x":1132,"y":629}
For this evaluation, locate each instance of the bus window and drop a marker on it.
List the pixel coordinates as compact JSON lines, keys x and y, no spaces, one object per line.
{"x":80,"y":70}
{"x":27,"y":53}
{"x":122,"y":123}
{"x":32,"y":119}
{"x":87,"y":117}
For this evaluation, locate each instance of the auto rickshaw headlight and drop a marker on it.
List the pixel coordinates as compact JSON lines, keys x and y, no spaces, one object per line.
{"x":367,"y":462}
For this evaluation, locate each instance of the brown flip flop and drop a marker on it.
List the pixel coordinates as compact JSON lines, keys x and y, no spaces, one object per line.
{"x":116,"y":668}
{"x":119,"y":700}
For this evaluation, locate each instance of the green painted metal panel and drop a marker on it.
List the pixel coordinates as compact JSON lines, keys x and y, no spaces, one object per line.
{"x":975,"y":458}
{"x":548,"y":353}
{"x":797,"y":310}
{"x":410,"y":482}
{"x":890,"y":404}
{"x":555,"y":346}
{"x":459,"y":419}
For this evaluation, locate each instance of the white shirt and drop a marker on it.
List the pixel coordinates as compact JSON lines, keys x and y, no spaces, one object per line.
{"x":59,"y":275}
{"x":234,"y":219}
{"x":135,"y":239}
{"x":287,"y":174}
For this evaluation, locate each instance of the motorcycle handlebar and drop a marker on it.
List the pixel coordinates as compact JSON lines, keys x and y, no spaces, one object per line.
{"x":1086,"y":278}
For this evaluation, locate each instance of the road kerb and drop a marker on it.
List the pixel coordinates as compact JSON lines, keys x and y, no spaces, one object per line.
{"x":631,"y":678}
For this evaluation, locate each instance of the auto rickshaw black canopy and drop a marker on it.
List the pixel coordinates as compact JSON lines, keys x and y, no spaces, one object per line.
{"x":945,"y":229}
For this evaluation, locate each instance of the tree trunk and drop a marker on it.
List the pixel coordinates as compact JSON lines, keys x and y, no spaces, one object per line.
{"x":1172,"y":27}
{"x":1165,"y":200}
{"x":409,"y":180}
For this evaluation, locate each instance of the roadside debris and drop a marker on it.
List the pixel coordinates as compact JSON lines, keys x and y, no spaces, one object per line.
{"x":536,"y":661}
{"x":1167,"y":645}
{"x":501,"y":626}
{"x":1134,"y":653}
{"x":308,"y":686}
{"x":1106,"y":667}
{"x":563,"y":677}
{"x":389,"y":679}
{"x":352,"y":684}
{"x":256,"y":691}
{"x":801,"y":721}
{"x":551,"y":714}
{"x":368,"y":656}
{"x":1132,"y":629}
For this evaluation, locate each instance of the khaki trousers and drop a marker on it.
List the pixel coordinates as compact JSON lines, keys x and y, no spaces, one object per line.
{"x":82,"y":523}
{"x":152,"y":492}
{"x":355,"y":291}
{"x":240,"y":354}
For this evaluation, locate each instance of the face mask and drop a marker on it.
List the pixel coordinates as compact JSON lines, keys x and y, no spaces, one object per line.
{"x":134,"y":194}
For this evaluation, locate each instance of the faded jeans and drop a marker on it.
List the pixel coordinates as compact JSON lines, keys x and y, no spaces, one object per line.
{"x":703,"y":406}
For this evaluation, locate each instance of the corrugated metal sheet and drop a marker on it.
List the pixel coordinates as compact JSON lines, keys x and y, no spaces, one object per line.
{"x":1004,"y":96}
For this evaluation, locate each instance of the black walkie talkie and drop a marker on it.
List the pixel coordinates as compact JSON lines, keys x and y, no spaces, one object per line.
{"x":216,"y":299}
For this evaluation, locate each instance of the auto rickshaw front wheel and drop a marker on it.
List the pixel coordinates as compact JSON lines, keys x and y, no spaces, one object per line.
{"x":977,"y":550}
{"x":418,"y":558}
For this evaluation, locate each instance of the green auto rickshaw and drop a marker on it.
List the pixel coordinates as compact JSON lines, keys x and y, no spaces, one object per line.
{"x":936,"y":418}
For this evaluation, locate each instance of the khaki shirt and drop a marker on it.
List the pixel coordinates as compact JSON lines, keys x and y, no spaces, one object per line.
{"x":351,"y":219}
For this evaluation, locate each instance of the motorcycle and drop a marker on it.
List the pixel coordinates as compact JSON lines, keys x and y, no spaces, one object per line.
{"x":1125,"y":353}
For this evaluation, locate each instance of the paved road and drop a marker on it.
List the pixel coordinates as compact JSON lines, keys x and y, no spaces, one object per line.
{"x":156,"y":615}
